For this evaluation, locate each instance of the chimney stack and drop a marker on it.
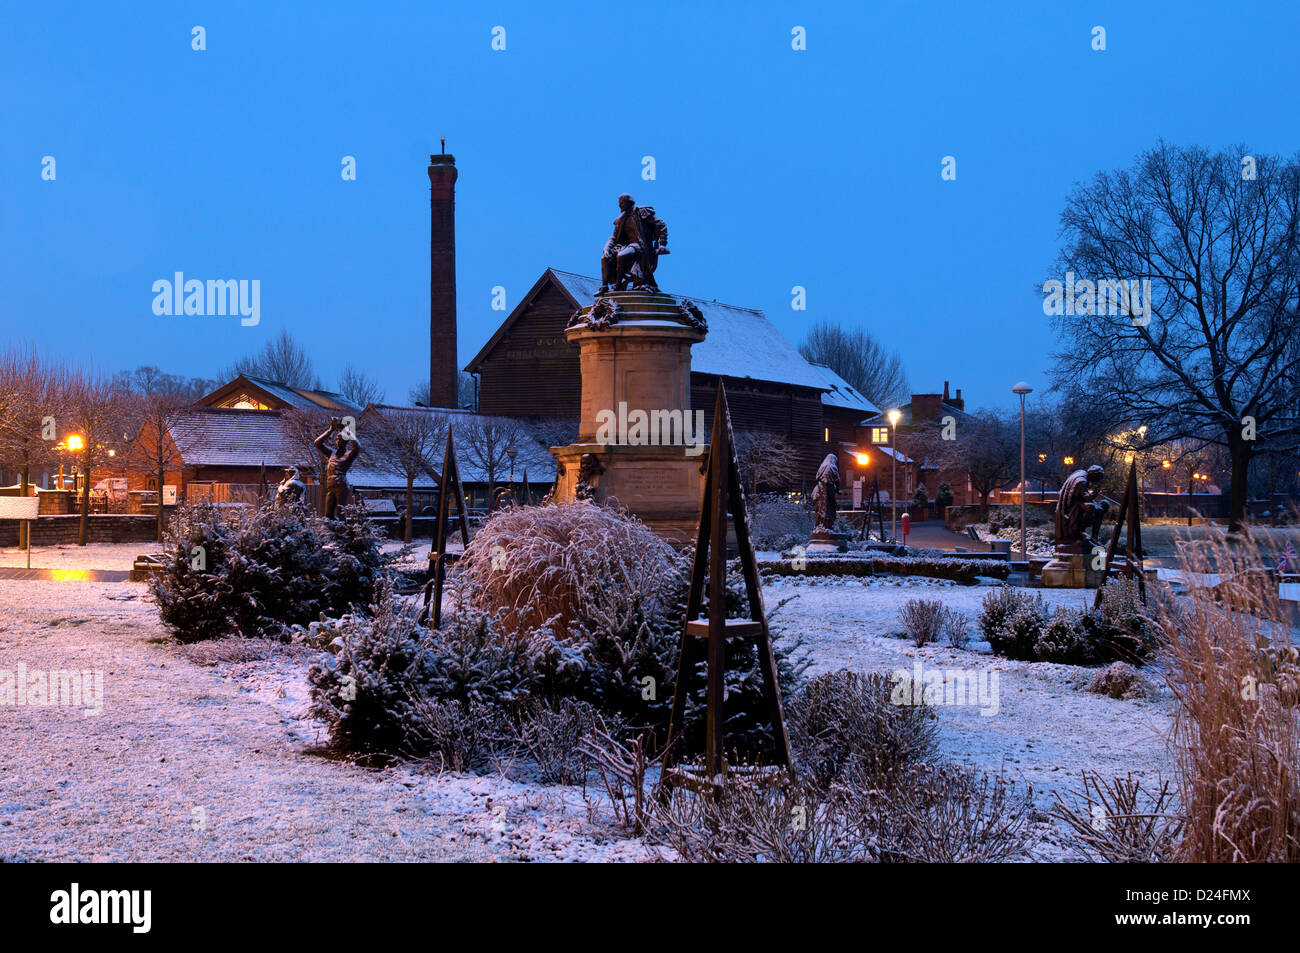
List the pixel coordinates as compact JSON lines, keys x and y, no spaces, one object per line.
{"x":958,"y":402}
{"x":444,"y":369}
{"x":945,"y":392}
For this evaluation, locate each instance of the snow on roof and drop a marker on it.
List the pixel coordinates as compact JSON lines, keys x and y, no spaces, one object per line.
{"x":220,"y":436}
{"x":302,"y":397}
{"x":897,"y":455}
{"x":741,"y":343}
{"x":841,"y":392}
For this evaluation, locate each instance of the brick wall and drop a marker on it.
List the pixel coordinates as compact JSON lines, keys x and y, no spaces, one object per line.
{"x":55,"y":530}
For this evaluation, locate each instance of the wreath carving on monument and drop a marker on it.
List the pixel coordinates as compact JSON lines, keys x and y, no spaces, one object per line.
{"x":604,"y":313}
{"x":692,"y":316}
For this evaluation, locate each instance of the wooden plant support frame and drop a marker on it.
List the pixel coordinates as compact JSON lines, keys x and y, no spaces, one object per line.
{"x":1128,"y":510}
{"x":449,"y":486}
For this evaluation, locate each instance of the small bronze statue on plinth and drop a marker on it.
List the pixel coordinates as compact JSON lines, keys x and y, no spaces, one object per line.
{"x":632,"y":253}
{"x":337,"y":491}
{"x":291,"y":490}
{"x":824,"y":537}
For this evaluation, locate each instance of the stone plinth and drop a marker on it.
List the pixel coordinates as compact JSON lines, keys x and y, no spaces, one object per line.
{"x":637,"y":423}
{"x":825,"y":541}
{"x":1065,"y":571}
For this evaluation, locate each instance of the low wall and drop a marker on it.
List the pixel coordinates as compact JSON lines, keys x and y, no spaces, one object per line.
{"x":100,"y":528}
{"x":957,"y":517}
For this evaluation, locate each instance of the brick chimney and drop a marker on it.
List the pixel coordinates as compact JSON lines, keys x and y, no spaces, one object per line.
{"x":958,"y":402}
{"x":444,"y":369}
{"x":945,"y":392}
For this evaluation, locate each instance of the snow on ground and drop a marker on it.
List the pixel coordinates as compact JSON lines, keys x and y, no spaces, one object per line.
{"x":1046,"y":728}
{"x":90,"y":556}
{"x":199,"y":763}
{"x":219,"y":762}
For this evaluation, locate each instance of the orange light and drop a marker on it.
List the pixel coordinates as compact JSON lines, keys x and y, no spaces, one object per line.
{"x":1165,"y":464}
{"x":75,"y":442}
{"x":863,"y":459}
{"x":1069,"y":461}
{"x":1042,"y":458}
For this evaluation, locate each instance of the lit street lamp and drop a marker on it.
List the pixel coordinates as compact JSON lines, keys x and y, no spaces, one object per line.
{"x":1022,"y":389}
{"x":894,"y":415}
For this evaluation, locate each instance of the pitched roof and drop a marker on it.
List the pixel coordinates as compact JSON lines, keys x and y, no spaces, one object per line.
{"x":841,"y":393}
{"x":905,"y":412}
{"x":301,"y":398}
{"x":221,"y":436}
{"x":741,"y":343}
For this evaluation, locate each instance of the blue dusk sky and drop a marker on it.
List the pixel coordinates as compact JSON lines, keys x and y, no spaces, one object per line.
{"x":774,"y":167}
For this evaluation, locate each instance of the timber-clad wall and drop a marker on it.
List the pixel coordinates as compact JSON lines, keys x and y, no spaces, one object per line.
{"x":533,"y":370}
{"x":795,"y":413}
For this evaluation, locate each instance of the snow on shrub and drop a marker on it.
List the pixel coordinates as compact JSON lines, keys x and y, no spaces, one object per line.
{"x":966,"y":571}
{"x":270,"y":571}
{"x":1120,"y":680}
{"x":1012,"y":620}
{"x":778,"y":522}
{"x":844,"y":724}
{"x":922,"y":618}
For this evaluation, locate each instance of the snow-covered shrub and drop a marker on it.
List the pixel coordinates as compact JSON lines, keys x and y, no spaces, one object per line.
{"x":943,"y":497}
{"x":459,"y":737}
{"x":922,"y":618}
{"x":1065,"y":640}
{"x":1012,"y":620}
{"x":1139,"y":827}
{"x":1120,"y":680}
{"x":369,"y":693}
{"x":1121,"y":627}
{"x":193,"y":592}
{"x":954,"y":628}
{"x":777,"y":522}
{"x":273,"y":570}
{"x":563,"y":562}
{"x":551,"y":735}
{"x":844,"y":724}
{"x":966,"y":571}
{"x":474,"y":657}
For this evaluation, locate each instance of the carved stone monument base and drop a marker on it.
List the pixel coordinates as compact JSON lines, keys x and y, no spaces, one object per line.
{"x":661,"y":486}
{"x":826,"y":541}
{"x":1065,"y":571}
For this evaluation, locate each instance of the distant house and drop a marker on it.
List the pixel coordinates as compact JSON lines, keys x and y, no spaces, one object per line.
{"x":528,"y":369}
{"x":922,"y":411}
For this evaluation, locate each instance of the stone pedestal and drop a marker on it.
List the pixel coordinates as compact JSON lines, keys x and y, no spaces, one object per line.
{"x":637,"y":423}
{"x":1065,"y":571}
{"x":826,"y":541}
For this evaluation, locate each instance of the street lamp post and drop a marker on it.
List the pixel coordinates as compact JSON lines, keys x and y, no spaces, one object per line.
{"x":894,"y":415}
{"x":1022,"y":389}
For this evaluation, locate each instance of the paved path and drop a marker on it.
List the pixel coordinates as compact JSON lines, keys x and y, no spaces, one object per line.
{"x":66,"y":575}
{"x":934,"y":535}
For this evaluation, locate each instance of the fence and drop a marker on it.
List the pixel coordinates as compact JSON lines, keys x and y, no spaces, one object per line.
{"x":251,"y":493}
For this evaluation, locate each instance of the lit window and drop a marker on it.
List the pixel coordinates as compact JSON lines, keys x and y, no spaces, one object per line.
{"x":880,"y":435}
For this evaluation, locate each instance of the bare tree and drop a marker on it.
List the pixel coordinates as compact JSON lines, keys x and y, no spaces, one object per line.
{"x":985,"y":447}
{"x":282,"y":359}
{"x":409,"y":442}
{"x":97,"y":411}
{"x":33,"y":405}
{"x":1210,"y":351}
{"x":486,"y":442}
{"x":466,"y":390}
{"x":359,"y":387}
{"x":860,"y":359}
{"x":302,"y":427}
{"x":151,"y":401}
{"x":767,"y":458}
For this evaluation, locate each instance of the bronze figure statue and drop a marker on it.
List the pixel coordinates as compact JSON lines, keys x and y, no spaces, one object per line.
{"x":291,"y":490}
{"x":589,"y":470}
{"x":337,"y":491}
{"x":632,"y":253}
{"x":828,"y":485}
{"x":1080,"y":509}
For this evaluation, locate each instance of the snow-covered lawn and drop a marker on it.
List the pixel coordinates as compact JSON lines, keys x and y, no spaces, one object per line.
{"x":200,"y":762}
{"x":1046,"y":728}
{"x":90,"y":556}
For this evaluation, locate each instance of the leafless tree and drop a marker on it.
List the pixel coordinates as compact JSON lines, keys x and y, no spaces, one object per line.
{"x":985,"y":447}
{"x":33,"y":413}
{"x":1215,"y":355}
{"x":97,"y":413}
{"x":767,"y":458}
{"x":485,"y":442}
{"x":302,"y":427}
{"x":281,"y":359}
{"x":466,"y":390}
{"x":151,"y":400}
{"x":409,"y":442}
{"x":359,"y":387}
{"x":860,"y":359}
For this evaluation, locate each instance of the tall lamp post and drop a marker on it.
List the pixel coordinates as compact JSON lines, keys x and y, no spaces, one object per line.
{"x":1022,"y":389}
{"x":894,"y":416}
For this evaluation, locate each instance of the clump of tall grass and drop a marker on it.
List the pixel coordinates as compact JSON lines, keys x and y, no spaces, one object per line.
{"x":1235,"y":736}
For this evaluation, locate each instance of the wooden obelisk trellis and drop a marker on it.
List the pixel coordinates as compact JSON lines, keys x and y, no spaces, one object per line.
{"x":722,"y":496}
{"x":449,"y":487}
{"x":876,"y":507}
{"x":1128,"y":510}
